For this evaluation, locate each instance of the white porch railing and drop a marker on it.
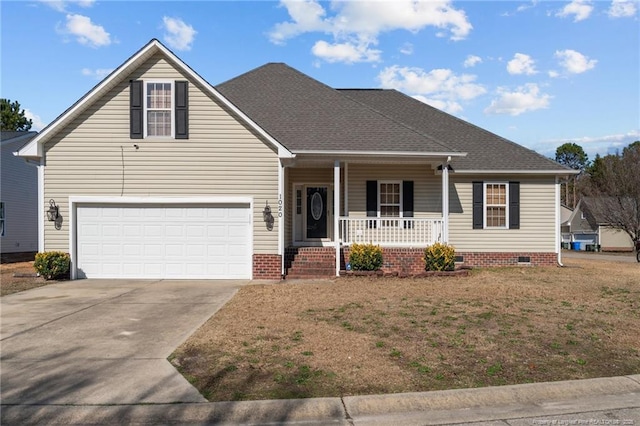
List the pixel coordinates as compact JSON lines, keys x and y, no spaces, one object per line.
{"x":391,"y":232}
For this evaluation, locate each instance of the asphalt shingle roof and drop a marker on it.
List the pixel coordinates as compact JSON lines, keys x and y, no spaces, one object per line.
{"x":305,"y":115}
{"x":485,"y":150}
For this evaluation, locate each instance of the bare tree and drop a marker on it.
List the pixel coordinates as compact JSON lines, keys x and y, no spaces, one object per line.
{"x":615,"y":188}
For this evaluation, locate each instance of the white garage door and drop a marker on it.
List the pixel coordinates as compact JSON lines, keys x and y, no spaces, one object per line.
{"x":163,"y":241}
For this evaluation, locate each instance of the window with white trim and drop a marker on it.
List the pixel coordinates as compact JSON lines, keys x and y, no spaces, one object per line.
{"x":496,"y":202}
{"x":1,"y":219}
{"x":390,"y":201}
{"x":158,"y":109}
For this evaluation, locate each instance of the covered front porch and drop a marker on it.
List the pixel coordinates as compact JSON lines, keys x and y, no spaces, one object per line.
{"x":393,"y":202}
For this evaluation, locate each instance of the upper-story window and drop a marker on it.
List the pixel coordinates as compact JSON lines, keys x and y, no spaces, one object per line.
{"x":159,"y":111}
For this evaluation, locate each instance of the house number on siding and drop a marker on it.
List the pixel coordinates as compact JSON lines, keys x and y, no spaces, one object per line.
{"x":280,"y":205}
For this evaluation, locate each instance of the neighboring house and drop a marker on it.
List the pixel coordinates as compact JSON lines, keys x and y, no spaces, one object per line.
{"x":158,"y":174}
{"x":18,"y":200}
{"x":565,"y":231}
{"x":588,"y":228}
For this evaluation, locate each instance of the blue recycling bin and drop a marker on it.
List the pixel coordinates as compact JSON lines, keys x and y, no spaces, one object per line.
{"x":575,"y":245}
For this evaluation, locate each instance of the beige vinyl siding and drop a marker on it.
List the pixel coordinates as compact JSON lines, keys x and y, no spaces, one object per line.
{"x":427,"y":187}
{"x":537,"y":218}
{"x":94,"y":156}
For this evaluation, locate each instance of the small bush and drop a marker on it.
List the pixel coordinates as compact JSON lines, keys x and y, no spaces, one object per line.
{"x":439,"y":257}
{"x":365,"y":257}
{"x":52,"y":264}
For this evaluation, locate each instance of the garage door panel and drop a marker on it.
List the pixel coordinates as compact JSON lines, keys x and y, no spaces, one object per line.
{"x":162,"y":241}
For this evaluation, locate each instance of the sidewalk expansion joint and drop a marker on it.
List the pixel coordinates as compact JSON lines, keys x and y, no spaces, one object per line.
{"x":346,"y":412}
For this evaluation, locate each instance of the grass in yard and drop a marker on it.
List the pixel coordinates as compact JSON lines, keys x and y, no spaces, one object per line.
{"x":16,"y":277}
{"x":368,"y":336}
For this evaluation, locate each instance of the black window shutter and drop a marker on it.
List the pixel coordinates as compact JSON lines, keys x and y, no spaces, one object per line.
{"x":514,"y":205}
{"x":182,"y":109}
{"x":372,"y":201}
{"x":136,"y":113}
{"x":407,"y":201}
{"x":478,"y":205}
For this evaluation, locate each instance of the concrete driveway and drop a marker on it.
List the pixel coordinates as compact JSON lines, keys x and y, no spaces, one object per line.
{"x":102,"y":341}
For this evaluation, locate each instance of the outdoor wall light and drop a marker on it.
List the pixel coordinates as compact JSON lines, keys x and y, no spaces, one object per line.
{"x":52,"y":213}
{"x":268,"y":217}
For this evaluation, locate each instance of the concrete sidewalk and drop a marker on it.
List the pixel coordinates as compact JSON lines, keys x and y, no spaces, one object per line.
{"x":602,"y":256}
{"x":604,"y":401}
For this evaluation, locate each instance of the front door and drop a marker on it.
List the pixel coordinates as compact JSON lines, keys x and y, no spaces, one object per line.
{"x":316,"y":212}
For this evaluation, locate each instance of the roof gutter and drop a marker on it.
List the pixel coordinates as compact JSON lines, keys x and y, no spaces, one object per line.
{"x":511,"y":172}
{"x":386,"y":154}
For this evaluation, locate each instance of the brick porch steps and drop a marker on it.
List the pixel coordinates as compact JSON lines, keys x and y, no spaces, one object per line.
{"x":310,"y":262}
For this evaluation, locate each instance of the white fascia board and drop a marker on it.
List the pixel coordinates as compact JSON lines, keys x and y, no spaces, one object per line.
{"x":383,"y":154}
{"x":34,"y":148}
{"x":518,"y":172}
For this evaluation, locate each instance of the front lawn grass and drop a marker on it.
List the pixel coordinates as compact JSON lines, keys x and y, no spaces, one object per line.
{"x":368,"y":336}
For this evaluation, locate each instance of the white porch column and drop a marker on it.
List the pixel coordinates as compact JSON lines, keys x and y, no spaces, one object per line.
{"x":281,"y":215}
{"x":445,"y":202}
{"x":336,"y":212}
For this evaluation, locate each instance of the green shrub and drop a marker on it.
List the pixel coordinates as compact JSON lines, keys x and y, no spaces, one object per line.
{"x":439,"y":257}
{"x":52,"y":264}
{"x":365,"y":257}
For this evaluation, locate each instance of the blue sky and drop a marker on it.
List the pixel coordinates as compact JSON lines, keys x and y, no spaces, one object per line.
{"x":540,"y":73}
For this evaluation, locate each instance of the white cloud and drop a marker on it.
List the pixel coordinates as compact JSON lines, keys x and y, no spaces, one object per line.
{"x":622,"y":9}
{"x":554,"y":74}
{"x":522,"y":8}
{"x":345,"y":52}
{"x":37,"y":124}
{"x":360,"y":23}
{"x":407,"y":49}
{"x":521,"y":64}
{"x":580,"y":9}
{"x":98,"y":73}
{"x":178,"y":35}
{"x":85,"y":31}
{"x":452,"y":107}
{"x":574,"y":62}
{"x":523,"y":99}
{"x":61,"y":5}
{"x":472,"y":61}
{"x":439,"y":87}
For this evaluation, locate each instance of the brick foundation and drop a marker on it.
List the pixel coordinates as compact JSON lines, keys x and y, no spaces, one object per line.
{"x":267,"y":267}
{"x":306,"y":262}
{"x":409,"y":260}
{"x":507,"y":259}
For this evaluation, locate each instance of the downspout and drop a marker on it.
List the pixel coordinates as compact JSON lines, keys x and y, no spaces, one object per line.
{"x":557,"y":225}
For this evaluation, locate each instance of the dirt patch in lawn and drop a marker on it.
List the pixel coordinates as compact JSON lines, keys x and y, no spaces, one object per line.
{"x":366,"y":336}
{"x":19,"y":276}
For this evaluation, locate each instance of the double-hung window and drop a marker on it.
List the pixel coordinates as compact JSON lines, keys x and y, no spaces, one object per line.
{"x":159,"y":111}
{"x":390,"y":203}
{"x":496,"y":203}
